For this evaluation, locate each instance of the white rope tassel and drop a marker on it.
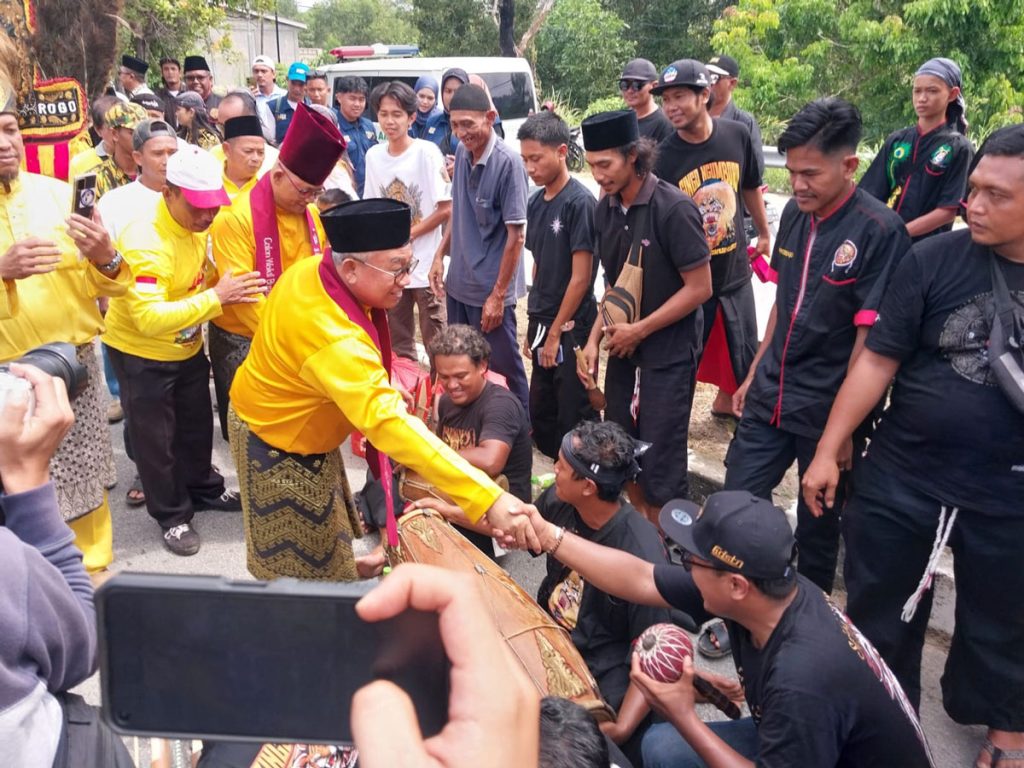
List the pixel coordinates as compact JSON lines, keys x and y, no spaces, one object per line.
{"x":941,"y":538}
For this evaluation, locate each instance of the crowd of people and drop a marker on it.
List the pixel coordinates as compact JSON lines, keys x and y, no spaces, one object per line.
{"x":265,"y":238}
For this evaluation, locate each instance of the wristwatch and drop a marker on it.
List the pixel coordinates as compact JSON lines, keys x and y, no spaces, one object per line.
{"x":113,"y":266}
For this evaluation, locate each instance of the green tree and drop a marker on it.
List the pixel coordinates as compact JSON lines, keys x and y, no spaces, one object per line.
{"x":666,"y":30}
{"x":580,"y":51}
{"x":466,"y":27}
{"x":156,"y":28}
{"x":866,"y":51}
{"x":357,"y":22}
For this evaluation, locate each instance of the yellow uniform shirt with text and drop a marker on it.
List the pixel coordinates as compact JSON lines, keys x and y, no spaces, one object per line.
{"x":161,"y":315}
{"x":234,"y":250}
{"x":53,"y":306}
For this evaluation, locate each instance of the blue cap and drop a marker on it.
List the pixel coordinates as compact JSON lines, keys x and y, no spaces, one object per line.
{"x":298,"y":71}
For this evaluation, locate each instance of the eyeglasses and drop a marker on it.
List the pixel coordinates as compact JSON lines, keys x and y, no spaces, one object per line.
{"x":397,"y":274}
{"x":713,"y":77}
{"x":690,"y":561}
{"x":196,"y":78}
{"x":305,"y":192}
{"x":631,"y":85}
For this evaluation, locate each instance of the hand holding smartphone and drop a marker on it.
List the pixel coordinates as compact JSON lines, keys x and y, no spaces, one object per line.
{"x":84,"y":199}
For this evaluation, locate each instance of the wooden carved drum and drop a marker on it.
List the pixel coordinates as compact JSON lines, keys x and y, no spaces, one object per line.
{"x":544,"y":649}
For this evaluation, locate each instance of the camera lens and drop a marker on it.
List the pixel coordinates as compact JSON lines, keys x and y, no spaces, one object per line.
{"x":59,"y":359}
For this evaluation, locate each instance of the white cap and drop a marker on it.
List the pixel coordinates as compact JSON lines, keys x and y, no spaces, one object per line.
{"x":199,"y":176}
{"x":264,"y":61}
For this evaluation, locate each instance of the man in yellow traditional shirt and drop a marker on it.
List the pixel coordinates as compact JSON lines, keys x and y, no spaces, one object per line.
{"x":155,"y":338}
{"x":269,"y":229}
{"x":318,"y":370}
{"x":53,"y":269}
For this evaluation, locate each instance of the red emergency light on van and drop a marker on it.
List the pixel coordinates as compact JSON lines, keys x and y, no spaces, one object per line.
{"x":375,"y":51}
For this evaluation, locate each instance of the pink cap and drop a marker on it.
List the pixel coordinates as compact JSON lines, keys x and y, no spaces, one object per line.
{"x":199,"y":176}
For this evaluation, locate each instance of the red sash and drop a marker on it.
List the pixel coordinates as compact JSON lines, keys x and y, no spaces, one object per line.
{"x":380,"y":335}
{"x":267,"y":236}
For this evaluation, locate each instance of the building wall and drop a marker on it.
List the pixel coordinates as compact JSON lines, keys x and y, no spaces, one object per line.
{"x":230,"y":69}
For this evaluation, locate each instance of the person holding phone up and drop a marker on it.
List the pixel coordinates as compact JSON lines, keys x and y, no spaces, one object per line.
{"x":54,"y":266}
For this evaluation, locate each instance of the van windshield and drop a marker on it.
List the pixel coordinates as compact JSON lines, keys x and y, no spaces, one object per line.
{"x":512,"y":93}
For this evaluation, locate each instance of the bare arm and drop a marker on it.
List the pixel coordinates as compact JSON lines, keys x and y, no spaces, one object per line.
{"x":490,"y":456}
{"x":633,"y":709}
{"x":618,"y":573}
{"x":864,"y":386}
{"x":494,"y":305}
{"x":753,"y":199}
{"x":439,"y":217}
{"x":931,"y":221}
{"x":579,"y":283}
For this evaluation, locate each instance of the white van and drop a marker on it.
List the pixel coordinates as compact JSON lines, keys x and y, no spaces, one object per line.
{"x":509,"y":80}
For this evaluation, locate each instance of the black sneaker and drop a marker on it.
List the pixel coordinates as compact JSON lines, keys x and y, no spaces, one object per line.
{"x":229,"y":501}
{"x":182,"y":540}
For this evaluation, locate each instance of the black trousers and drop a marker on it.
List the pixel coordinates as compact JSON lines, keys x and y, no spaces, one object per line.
{"x":169,"y":419}
{"x":663,"y":420}
{"x":558,"y":400}
{"x":889,"y":529}
{"x":758,"y":457}
{"x":739,"y":317}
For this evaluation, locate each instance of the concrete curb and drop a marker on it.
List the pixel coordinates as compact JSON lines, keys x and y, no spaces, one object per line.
{"x":707,"y":475}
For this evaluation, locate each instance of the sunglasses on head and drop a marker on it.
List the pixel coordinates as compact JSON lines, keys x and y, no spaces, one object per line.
{"x":631,"y":85}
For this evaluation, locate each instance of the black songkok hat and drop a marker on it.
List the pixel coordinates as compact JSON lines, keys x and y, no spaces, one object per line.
{"x":243,"y":125}
{"x":608,"y":130}
{"x":193,"y":63}
{"x":361,"y":226}
{"x":135,"y":65}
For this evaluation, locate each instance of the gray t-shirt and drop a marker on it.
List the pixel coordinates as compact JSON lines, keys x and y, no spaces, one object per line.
{"x":486,"y":197}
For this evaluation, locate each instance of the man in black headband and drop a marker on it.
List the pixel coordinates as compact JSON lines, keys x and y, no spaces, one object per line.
{"x":921,"y":171}
{"x":652,"y":361}
{"x":596,"y":460}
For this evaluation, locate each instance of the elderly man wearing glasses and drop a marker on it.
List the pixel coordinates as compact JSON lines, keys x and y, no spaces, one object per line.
{"x":318,"y":369}
{"x":267,"y":229}
{"x":638,"y":78}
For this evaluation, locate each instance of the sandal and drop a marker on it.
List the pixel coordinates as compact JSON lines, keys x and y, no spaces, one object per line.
{"x":135,"y":497}
{"x":714,"y":641}
{"x":997,"y":755}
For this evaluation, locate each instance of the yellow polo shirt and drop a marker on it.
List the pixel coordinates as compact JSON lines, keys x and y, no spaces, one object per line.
{"x":234,"y":249}
{"x":161,"y":315}
{"x":58,"y":305}
{"x":313,"y":376}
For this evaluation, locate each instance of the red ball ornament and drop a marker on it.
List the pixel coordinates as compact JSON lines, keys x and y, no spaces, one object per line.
{"x":661,"y":649}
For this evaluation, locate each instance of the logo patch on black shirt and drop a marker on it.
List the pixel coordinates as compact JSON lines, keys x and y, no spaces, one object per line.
{"x":845,"y":255}
{"x":940,"y":157}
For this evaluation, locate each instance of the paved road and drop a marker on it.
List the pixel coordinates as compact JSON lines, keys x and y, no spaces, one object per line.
{"x":138,"y":546}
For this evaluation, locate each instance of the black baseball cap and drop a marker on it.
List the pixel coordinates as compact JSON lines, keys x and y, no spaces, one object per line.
{"x":736,"y":531}
{"x":685,"y":72}
{"x":639,"y":69}
{"x":724,"y":66}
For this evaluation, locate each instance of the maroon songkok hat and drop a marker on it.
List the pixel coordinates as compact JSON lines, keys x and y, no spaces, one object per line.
{"x":311,"y":147}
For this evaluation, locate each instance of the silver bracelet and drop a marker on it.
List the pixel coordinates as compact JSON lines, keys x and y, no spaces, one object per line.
{"x":559,"y":535}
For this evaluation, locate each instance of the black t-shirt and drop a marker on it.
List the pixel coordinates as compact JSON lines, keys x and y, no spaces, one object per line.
{"x":732,"y":112}
{"x":602,"y":627}
{"x":819,"y":304}
{"x":496,"y":415}
{"x":915,"y":174}
{"x":949,"y":430}
{"x":676,"y":243}
{"x":714,"y":173}
{"x":655,"y":126}
{"x":555,"y":229}
{"x":819,"y":692}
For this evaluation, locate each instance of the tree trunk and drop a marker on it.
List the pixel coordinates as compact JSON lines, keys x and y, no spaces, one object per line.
{"x":539,"y":16}
{"x":507,"y":17}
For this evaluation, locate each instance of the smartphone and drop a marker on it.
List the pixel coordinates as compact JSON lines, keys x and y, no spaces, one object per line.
{"x":84,"y":199}
{"x":205,"y":657}
{"x":250,"y":82}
